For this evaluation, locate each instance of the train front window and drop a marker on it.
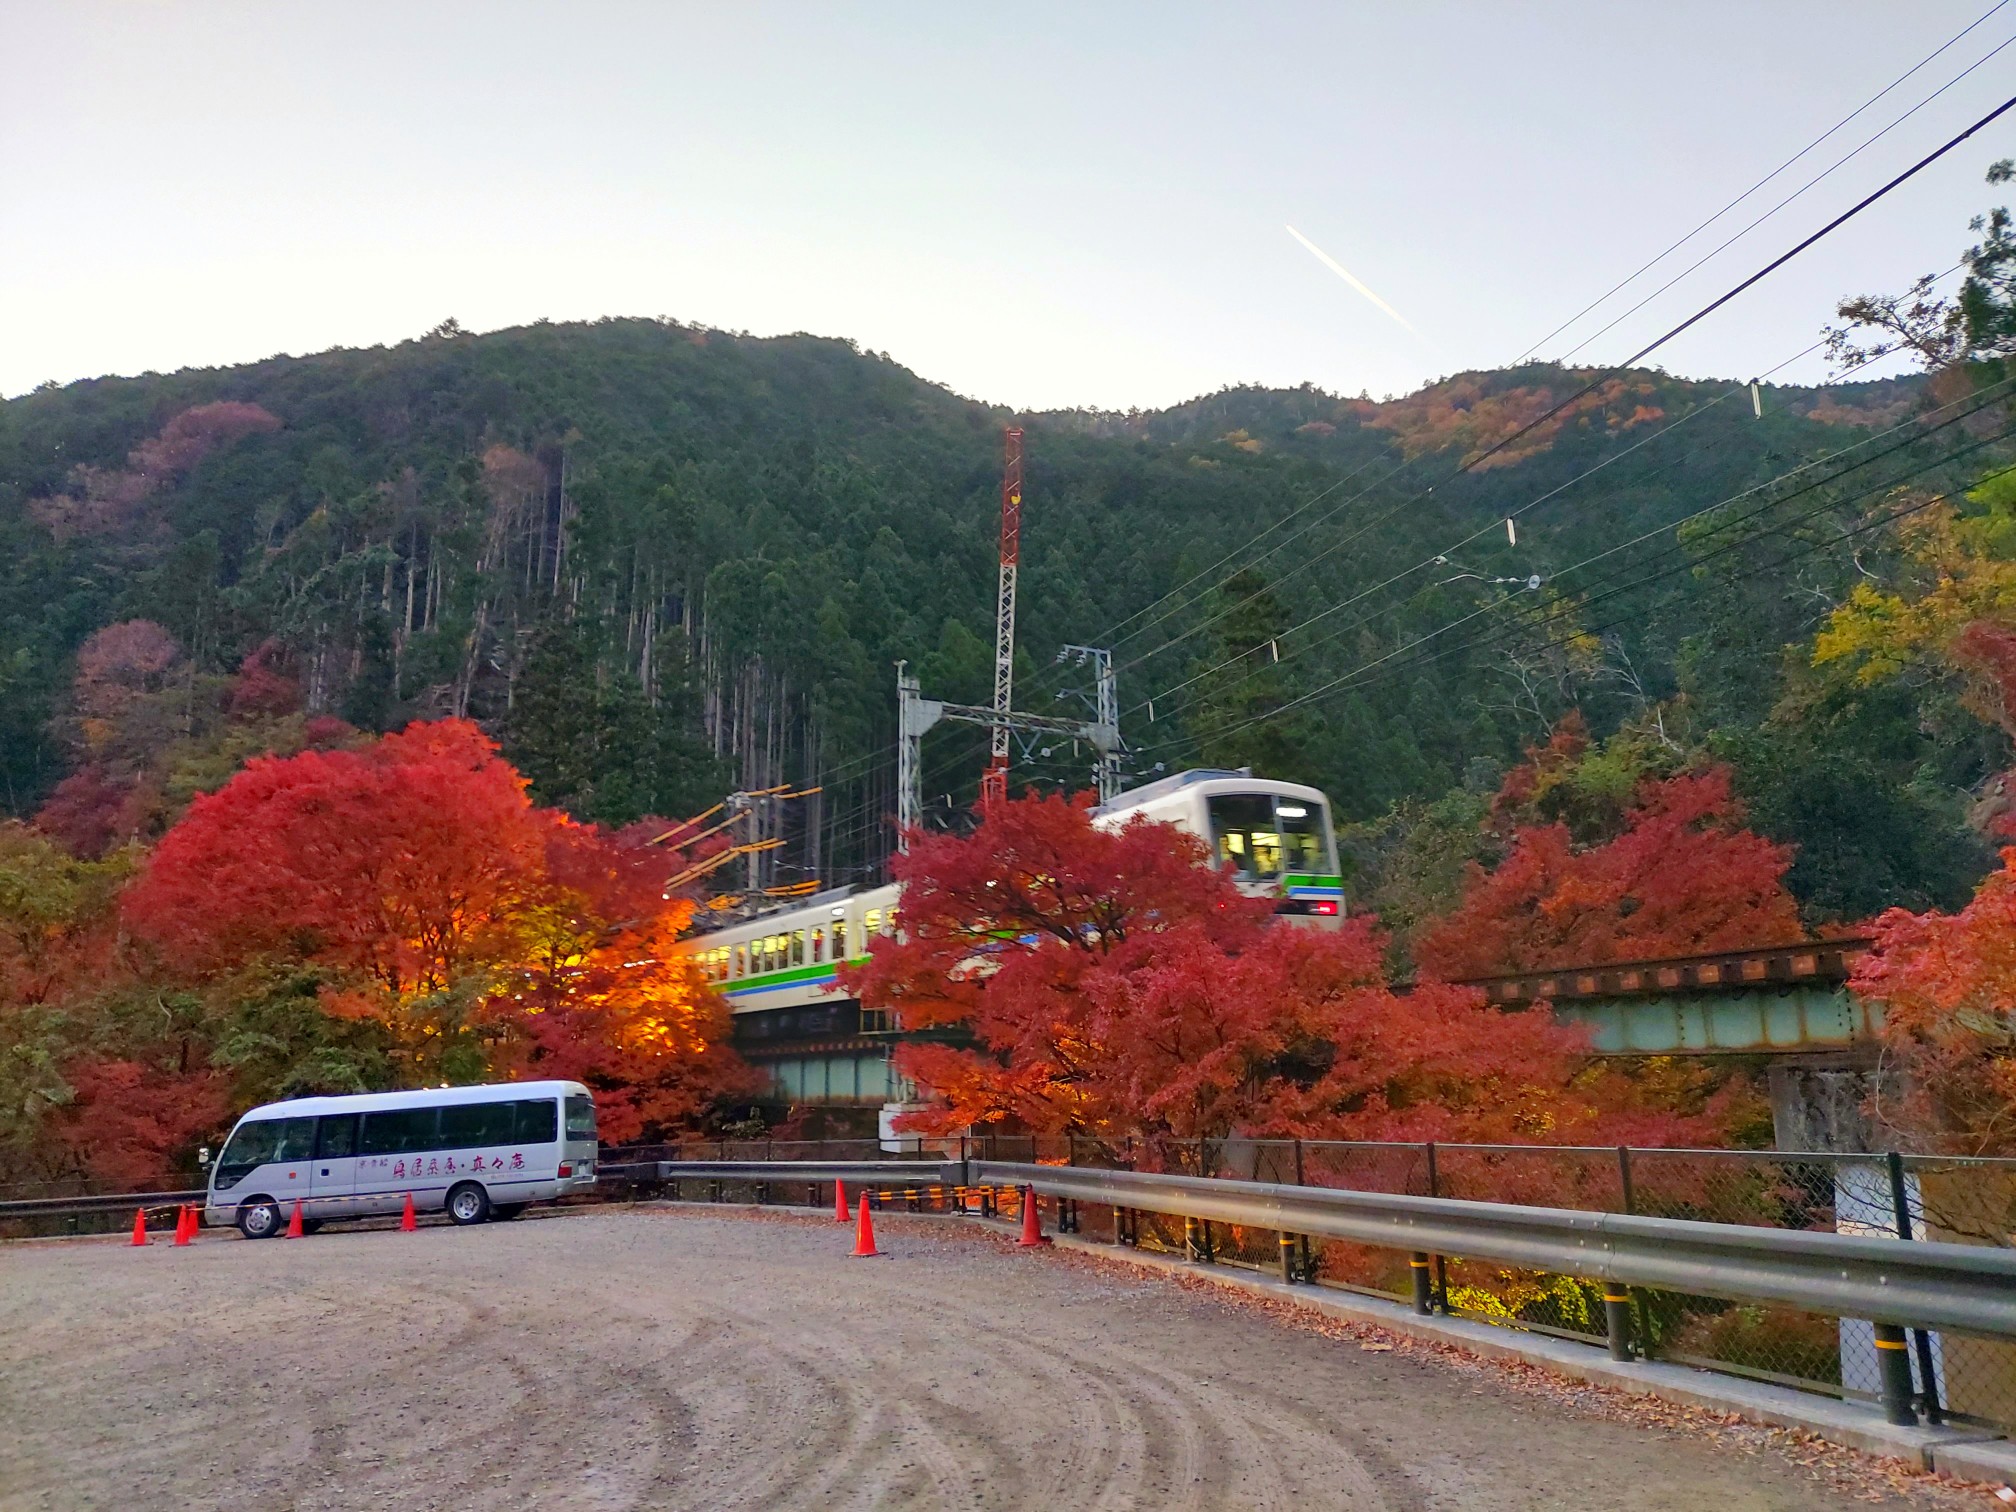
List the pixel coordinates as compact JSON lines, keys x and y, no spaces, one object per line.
{"x":1243,"y":833}
{"x":1262,"y":837}
{"x":1302,"y":838}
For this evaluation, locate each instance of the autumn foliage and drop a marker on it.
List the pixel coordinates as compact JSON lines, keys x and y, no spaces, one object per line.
{"x":402,"y":862}
{"x":1684,"y":877}
{"x":373,"y":913}
{"x":1113,"y":985}
{"x":1947,"y":983}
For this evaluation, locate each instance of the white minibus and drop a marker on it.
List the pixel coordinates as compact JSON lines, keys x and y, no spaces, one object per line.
{"x":475,"y":1152}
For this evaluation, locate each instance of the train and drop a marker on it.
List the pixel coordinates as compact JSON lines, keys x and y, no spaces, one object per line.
{"x":777,"y":969}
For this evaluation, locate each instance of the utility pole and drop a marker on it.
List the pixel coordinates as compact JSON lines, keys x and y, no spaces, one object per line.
{"x":994,"y":786}
{"x":1105,"y":717}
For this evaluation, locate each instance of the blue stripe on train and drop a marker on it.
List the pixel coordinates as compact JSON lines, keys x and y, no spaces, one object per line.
{"x":811,"y":981}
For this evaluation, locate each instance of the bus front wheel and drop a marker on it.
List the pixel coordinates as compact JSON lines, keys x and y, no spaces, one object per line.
{"x":468,"y":1203}
{"x":259,"y":1218}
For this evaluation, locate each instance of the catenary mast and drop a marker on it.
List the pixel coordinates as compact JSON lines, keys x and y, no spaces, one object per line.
{"x":994,"y":786}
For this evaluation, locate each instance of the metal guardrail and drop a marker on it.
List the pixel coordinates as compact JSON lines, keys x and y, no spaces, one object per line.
{"x":886,"y":1173}
{"x":1959,"y":1287}
{"x":1893,"y":1284}
{"x":47,"y":1207}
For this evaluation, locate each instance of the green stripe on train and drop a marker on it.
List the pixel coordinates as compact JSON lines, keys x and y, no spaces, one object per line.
{"x":792,"y":974}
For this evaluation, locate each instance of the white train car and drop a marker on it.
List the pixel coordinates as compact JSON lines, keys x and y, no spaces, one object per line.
{"x":1276,"y":837}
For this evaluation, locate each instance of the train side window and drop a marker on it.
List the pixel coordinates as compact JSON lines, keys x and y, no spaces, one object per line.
{"x":872,"y":923}
{"x":840,"y":939}
{"x":797,"y":947}
{"x":818,"y":946}
{"x":741,"y":960}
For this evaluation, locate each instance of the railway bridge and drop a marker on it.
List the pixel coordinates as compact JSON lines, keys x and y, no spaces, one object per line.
{"x":1787,"y":1007}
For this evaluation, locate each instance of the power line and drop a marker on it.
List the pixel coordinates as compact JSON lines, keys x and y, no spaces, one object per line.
{"x":1639,"y":272}
{"x":1350,"y":680}
{"x":1605,"y":375}
{"x":1673,"y":527}
{"x":1443,"y":553}
{"x":1795,"y":194}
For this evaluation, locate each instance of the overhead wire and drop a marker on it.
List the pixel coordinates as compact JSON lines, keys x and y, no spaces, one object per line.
{"x":1349,"y":679}
{"x":1795,"y":194}
{"x":1974,"y":405}
{"x":1643,"y":268}
{"x":1605,"y":375}
{"x":1443,"y":554}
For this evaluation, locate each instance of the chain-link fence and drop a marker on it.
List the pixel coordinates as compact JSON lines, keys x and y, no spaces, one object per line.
{"x":1950,"y":1199}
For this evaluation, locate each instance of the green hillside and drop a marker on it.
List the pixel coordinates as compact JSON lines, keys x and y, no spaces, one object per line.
{"x":660,"y":562}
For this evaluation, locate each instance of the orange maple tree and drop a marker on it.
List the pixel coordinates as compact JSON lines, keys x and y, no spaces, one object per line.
{"x":606,"y":994}
{"x":439,"y":902}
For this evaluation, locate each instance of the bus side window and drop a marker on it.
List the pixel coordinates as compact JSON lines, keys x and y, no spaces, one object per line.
{"x":471,"y":1126}
{"x":397,"y":1131}
{"x":336,"y":1137}
{"x":297,"y":1139}
{"x":538,"y":1121}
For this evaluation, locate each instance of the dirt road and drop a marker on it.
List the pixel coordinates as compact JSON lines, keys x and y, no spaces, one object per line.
{"x":670,"y":1358}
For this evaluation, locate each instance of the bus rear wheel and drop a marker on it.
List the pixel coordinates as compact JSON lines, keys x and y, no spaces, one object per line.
{"x":468,"y":1203}
{"x":259,"y":1218}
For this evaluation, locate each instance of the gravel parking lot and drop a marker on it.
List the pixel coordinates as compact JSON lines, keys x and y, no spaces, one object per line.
{"x":676,"y":1358}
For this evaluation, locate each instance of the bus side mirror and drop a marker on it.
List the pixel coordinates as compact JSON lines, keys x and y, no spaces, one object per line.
{"x":203,"y":1156}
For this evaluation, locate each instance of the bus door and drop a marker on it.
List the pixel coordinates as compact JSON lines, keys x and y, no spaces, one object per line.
{"x":333,"y":1185}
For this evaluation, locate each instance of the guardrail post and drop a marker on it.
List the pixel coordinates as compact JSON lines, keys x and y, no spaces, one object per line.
{"x":1900,"y":1202}
{"x":1441,"y":1270}
{"x":1424,"y":1293}
{"x":1893,"y":1360}
{"x":1617,"y":1320}
{"x":1288,"y":1276}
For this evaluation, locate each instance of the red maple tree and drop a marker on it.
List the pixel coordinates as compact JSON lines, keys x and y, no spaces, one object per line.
{"x":404,"y":860}
{"x":1684,"y":878}
{"x":1947,"y":983}
{"x":1114,"y":985}
{"x":130,"y":1123}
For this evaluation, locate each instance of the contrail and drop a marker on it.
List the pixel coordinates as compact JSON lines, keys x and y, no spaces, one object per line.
{"x":1345,"y":273}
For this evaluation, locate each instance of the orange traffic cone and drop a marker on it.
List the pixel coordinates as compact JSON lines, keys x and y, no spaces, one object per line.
{"x":864,"y":1233}
{"x":1032,"y":1221}
{"x":840,"y":1210}
{"x":183,"y":1226}
{"x":407,"y":1222}
{"x":294,"y":1223}
{"x":140,"y":1225}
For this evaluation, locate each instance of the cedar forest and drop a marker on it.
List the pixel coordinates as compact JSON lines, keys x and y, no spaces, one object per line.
{"x":355,"y":711}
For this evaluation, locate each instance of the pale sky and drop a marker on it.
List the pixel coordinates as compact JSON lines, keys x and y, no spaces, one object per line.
{"x":1037,"y":205}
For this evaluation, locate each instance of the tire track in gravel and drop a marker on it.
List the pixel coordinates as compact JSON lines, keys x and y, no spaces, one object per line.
{"x":1189,"y":1444}
{"x":619,"y":1361}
